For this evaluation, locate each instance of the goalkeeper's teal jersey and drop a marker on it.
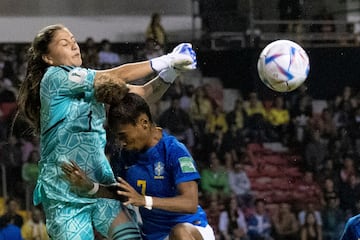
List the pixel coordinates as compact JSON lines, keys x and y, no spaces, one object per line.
{"x":71,"y":125}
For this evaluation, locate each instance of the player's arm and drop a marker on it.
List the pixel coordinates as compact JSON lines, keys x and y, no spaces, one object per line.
{"x":83,"y":185}
{"x":112,"y":84}
{"x":185,"y":202}
{"x":154,"y":89}
{"x":111,"y":92}
{"x":182,"y":58}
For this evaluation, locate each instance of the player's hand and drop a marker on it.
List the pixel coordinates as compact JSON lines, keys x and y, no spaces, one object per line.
{"x":77,"y":177}
{"x":128,"y":191}
{"x":182,"y":58}
{"x":179,"y":53}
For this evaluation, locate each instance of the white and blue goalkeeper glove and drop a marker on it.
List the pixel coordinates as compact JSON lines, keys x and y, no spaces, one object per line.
{"x":182,"y":58}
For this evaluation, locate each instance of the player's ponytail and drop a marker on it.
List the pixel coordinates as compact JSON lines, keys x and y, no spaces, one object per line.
{"x":29,"y":92}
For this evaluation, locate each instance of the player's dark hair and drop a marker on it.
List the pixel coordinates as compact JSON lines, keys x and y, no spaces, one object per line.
{"x":128,"y":110}
{"x":29,"y":92}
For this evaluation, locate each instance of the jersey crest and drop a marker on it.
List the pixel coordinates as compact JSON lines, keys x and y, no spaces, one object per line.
{"x":77,"y":75}
{"x":158,"y":170}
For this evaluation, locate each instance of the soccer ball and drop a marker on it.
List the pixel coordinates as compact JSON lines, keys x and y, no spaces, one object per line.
{"x":283,"y":65}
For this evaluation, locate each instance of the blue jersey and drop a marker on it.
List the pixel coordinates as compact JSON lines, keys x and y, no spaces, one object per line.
{"x":71,"y":125}
{"x":156,"y":173}
{"x":352,"y":229}
{"x":11,"y":231}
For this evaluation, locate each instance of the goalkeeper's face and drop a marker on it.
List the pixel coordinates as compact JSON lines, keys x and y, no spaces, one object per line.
{"x":63,"y":50}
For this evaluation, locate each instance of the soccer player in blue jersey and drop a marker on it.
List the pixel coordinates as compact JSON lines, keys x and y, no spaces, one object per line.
{"x":160,"y":173}
{"x":65,"y":105}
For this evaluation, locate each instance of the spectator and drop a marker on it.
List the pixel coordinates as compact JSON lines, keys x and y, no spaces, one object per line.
{"x":354,"y":130}
{"x":259,"y":223}
{"x":30,"y":170}
{"x":214,"y":179}
{"x":329,"y":191}
{"x":311,"y":230}
{"x":21,"y":65}
{"x":11,"y":158}
{"x":349,"y":194}
{"x":343,"y":144}
{"x":279,"y":118}
{"x":185,"y":99}
{"x":11,"y":213}
{"x":155,"y":32}
{"x":7,"y":61}
{"x":28,"y":144}
{"x":333,"y":219}
{"x":8,"y":105}
{"x":329,"y":171}
{"x":309,"y":207}
{"x":177,"y":122}
{"x":346,"y":97}
{"x":30,"y":173}
{"x":344,"y":105}
{"x":34,"y":228}
{"x":308,"y":189}
{"x":232,"y":223}
{"x":315,"y":152}
{"x":90,"y":54}
{"x":106,"y":56}
{"x":347,"y":169}
{"x":233,"y":141}
{"x":237,"y":116}
{"x":200,"y":109}
{"x":150,"y":50}
{"x":256,"y":115}
{"x":286,"y":225}
{"x":213,"y":209}
{"x":9,"y":231}
{"x":326,"y":125}
{"x":300,"y":114}
{"x":239,"y":183}
{"x":216,"y":120}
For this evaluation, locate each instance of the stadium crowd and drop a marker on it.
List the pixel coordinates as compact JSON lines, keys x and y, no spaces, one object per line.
{"x":327,"y":144}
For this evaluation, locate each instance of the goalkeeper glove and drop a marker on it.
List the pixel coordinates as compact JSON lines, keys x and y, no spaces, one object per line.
{"x":182,"y":58}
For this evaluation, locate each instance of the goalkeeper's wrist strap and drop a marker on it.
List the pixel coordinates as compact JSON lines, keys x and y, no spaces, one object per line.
{"x":168,"y":75}
{"x":148,"y":202}
{"x":94,"y":190}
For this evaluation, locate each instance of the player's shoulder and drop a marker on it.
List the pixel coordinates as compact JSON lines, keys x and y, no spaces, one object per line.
{"x":169,"y":140}
{"x":173,"y":146}
{"x":57,"y":72}
{"x":75,"y":74}
{"x":355,"y":221}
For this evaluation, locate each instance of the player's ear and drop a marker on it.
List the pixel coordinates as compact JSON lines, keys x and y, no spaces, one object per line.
{"x":144,"y":122}
{"x":47,"y":59}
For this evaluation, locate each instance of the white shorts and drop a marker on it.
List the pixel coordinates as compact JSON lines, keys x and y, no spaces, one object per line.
{"x":206,"y":232}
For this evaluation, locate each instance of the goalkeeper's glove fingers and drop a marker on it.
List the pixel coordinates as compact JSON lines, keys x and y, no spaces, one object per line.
{"x":182,"y":58}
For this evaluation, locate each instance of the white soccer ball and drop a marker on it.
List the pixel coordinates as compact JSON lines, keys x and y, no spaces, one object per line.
{"x":283,"y":65}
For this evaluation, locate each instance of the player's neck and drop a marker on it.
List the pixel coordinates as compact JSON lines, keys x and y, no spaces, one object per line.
{"x":156,"y":136}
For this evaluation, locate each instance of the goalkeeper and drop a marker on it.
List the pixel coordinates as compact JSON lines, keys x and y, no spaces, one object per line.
{"x":64,"y":103}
